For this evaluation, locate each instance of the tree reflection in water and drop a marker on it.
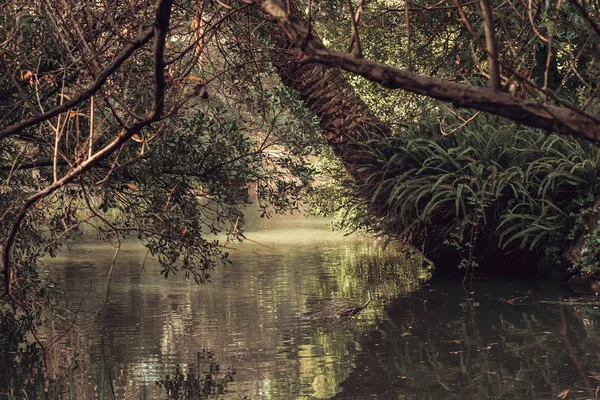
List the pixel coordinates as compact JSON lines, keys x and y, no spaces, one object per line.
{"x":198,"y":380}
{"x":493,"y":340}
{"x":202,"y":379}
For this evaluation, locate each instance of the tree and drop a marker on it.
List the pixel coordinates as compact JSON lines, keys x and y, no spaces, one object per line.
{"x":108,"y":123}
{"x":556,"y":67}
{"x":562,"y":118}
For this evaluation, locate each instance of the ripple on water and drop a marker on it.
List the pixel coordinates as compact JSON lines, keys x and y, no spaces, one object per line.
{"x":494,"y":339}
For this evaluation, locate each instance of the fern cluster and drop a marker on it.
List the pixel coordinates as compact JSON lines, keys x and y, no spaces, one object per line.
{"x":489,"y":185}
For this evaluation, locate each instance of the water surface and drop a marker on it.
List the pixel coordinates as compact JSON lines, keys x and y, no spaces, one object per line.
{"x":489,"y":339}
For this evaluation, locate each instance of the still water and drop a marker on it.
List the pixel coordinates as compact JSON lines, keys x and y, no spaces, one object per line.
{"x":417,"y":339}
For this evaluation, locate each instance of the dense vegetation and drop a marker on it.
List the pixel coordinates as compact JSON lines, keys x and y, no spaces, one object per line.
{"x":488,"y":189}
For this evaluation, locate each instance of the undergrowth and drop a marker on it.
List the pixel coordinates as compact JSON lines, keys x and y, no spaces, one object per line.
{"x":492,"y":182}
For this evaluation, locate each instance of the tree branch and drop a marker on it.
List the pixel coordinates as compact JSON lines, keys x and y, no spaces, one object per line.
{"x":159,"y":31}
{"x":140,"y":41}
{"x":550,"y":118}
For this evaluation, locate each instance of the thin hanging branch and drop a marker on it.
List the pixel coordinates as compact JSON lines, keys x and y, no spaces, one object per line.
{"x":490,"y":44}
{"x":464,"y":18}
{"x":550,"y":41}
{"x":408,"y":43}
{"x":117,"y":236}
{"x":92,"y":127}
{"x":533,"y":25}
{"x":355,"y":18}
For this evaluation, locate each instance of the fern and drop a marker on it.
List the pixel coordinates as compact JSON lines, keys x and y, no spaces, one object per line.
{"x":519,"y":187}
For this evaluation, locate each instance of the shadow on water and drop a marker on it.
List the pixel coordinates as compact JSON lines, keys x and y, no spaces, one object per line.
{"x":494,"y":339}
{"x":491,"y":340}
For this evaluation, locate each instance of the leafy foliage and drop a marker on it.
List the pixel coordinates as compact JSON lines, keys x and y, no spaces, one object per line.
{"x":513,"y":186}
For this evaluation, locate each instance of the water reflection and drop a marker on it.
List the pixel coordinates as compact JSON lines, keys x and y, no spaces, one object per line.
{"x":201,"y":380}
{"x":248,"y":315}
{"x":489,"y":340}
{"x":492,"y":340}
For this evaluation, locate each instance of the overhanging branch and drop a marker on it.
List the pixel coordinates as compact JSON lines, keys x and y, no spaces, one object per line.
{"x":140,"y":41}
{"x":554,"y":119}
{"x":159,"y":32}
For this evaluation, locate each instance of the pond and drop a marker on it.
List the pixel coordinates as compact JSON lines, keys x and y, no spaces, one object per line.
{"x":417,"y":339}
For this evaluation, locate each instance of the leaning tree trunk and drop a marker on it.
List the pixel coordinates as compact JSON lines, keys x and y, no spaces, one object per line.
{"x":345,"y":119}
{"x":347,"y":122}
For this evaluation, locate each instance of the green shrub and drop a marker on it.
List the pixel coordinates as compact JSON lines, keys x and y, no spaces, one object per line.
{"x":490,"y":182}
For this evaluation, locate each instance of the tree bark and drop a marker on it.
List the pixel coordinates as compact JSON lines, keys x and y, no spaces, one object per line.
{"x":345,"y":119}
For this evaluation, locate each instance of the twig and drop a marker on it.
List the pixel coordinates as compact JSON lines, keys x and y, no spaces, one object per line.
{"x":91,"y":138}
{"x":443,"y":131}
{"x":408,"y":43}
{"x":550,"y":40}
{"x":310,"y":22}
{"x":58,"y":130}
{"x":434,"y":7}
{"x":113,"y":228}
{"x":110,"y":273}
{"x":465,"y":20}
{"x":533,"y":26}
{"x":355,"y":18}
{"x":39,"y":342}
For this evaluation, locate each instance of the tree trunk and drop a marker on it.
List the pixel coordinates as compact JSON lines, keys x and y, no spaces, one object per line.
{"x":347,"y":122}
{"x":345,"y":119}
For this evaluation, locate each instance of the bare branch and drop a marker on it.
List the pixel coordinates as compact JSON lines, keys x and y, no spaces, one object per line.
{"x":140,"y":41}
{"x":463,"y":16}
{"x":533,"y":26}
{"x":550,"y":41}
